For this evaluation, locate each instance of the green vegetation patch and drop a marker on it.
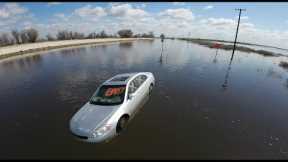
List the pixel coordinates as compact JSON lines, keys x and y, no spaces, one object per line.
{"x":211,"y":44}
{"x":283,"y":64}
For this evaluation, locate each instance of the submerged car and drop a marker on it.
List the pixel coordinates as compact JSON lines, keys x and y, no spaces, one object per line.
{"x":112,"y":106}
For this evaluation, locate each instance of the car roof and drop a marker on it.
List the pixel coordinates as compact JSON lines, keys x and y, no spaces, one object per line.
{"x":120,"y":79}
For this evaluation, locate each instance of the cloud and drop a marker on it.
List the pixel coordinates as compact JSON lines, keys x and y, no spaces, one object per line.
{"x":180,"y":13}
{"x":13,"y":16}
{"x":219,"y":21}
{"x":143,"y":5}
{"x":176,"y":21}
{"x":126,"y":10}
{"x":247,"y":25}
{"x":61,"y":16}
{"x":11,"y":9}
{"x":89,"y":11}
{"x":244,"y":17}
{"x":119,"y":10}
{"x":208,"y":7}
{"x":4,"y":13}
{"x":116,"y":11}
{"x":178,"y":3}
{"x":53,"y":3}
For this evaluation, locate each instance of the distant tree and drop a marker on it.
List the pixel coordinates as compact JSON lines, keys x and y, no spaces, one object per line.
{"x":114,"y":36}
{"x":24,"y":36}
{"x":91,"y":35}
{"x":94,"y":35}
{"x":137,"y":36}
{"x":151,"y":35}
{"x":148,"y":35}
{"x":71,"y":35}
{"x":62,"y":35}
{"x":103,"y":34}
{"x":32,"y":35}
{"x":16,"y":36}
{"x":144,"y":35}
{"x":74,"y":35}
{"x":41,"y":40}
{"x":50,"y":37}
{"x":97,"y":35}
{"x":79,"y":35}
{"x":125,"y":33}
{"x":4,"y":40}
{"x":68,"y":35}
{"x":108,"y":36}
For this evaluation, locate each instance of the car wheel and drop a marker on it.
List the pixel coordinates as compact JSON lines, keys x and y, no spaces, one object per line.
{"x":122,"y":123}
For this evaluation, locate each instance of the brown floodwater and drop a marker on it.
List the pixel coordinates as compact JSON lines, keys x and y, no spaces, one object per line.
{"x":191,"y":114}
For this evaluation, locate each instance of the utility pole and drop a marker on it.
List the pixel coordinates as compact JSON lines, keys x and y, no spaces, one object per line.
{"x":240,"y":10}
{"x":225,"y":85}
{"x":162,"y":38}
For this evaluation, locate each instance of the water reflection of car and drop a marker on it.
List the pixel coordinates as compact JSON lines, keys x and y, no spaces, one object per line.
{"x":112,"y":106}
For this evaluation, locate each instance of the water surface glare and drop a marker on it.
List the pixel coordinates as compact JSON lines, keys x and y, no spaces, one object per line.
{"x":190,"y":114}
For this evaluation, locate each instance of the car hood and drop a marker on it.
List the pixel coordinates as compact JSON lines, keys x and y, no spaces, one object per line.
{"x":90,"y":117}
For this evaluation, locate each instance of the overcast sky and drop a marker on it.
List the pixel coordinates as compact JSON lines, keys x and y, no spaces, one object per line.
{"x":263,"y":23}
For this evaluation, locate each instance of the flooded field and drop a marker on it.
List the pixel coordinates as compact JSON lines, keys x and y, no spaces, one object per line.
{"x":191,"y":114}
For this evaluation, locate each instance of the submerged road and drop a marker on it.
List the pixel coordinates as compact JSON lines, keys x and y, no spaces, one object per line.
{"x":189,"y":114}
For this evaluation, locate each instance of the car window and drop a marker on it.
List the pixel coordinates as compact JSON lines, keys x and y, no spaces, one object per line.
{"x":143,"y":78}
{"x":136,"y":83}
{"x":132,"y":88}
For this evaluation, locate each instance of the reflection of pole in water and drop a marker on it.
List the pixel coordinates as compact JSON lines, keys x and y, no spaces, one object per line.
{"x":187,"y":42}
{"x":225,"y":84}
{"x":162,"y":42}
{"x":160,"y":60}
{"x":166,"y":57}
{"x":215,"y":58}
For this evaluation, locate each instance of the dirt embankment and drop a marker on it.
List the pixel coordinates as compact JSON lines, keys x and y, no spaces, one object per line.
{"x":14,"y":50}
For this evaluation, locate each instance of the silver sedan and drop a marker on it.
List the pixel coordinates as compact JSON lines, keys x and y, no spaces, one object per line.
{"x":112,"y":106}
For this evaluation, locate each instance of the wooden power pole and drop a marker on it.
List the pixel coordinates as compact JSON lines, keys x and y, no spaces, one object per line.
{"x":240,"y":10}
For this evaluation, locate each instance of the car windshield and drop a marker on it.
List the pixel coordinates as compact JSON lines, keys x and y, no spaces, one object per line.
{"x":109,"y":95}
